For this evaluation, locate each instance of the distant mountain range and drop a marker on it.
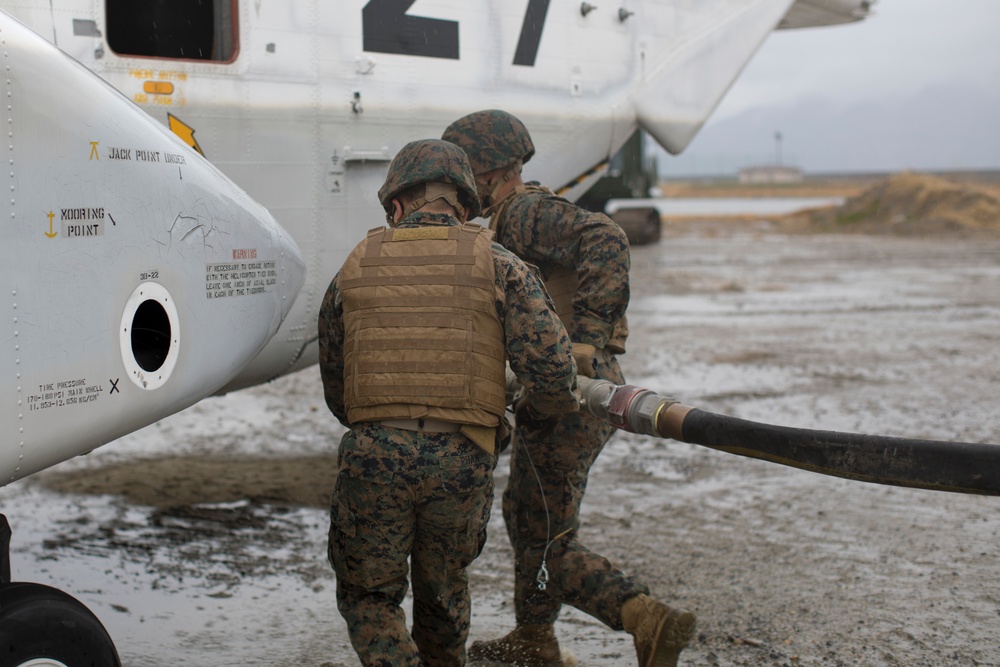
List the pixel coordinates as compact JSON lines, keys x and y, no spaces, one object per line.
{"x":947,"y":127}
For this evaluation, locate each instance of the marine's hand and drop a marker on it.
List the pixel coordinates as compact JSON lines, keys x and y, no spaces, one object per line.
{"x":531,"y":420}
{"x":583,"y":355}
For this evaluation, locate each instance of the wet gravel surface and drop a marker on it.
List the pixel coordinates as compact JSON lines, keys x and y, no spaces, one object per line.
{"x":201,"y":540}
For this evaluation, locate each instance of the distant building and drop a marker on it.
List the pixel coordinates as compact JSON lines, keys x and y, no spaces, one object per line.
{"x":771,"y":173}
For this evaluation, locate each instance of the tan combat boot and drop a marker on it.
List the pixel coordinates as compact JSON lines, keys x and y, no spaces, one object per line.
{"x":660,"y":631}
{"x":526,"y":645}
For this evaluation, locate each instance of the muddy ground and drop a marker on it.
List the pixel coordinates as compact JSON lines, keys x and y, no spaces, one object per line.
{"x":201,"y":540}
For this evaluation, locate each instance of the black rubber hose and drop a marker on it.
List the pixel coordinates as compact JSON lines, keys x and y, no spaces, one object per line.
{"x":960,"y":467}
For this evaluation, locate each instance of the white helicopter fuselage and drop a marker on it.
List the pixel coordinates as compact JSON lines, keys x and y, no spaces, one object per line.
{"x":113,"y":232}
{"x":304,"y":103}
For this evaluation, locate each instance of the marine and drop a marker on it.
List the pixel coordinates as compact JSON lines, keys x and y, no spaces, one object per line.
{"x":415,"y":331}
{"x":584,"y":260}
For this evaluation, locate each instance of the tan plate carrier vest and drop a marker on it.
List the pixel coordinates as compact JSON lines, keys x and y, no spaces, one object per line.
{"x":562,"y":284}
{"x":423,"y":340}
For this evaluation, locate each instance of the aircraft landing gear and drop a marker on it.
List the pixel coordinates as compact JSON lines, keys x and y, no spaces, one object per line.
{"x":41,"y":626}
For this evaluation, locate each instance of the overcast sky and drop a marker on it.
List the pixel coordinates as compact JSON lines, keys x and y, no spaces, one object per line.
{"x":905,"y":46}
{"x":916,"y":84}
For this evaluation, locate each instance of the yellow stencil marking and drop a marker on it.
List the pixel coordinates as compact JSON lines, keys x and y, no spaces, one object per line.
{"x":51,"y":233}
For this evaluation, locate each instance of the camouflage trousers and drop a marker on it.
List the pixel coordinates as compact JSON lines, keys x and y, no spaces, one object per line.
{"x":402,"y":494}
{"x":541,"y":507}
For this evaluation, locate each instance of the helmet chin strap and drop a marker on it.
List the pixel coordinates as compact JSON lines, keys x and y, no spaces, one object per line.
{"x":488,"y":199}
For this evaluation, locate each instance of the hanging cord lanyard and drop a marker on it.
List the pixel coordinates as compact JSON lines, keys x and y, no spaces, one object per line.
{"x":515,"y":391}
{"x":542,"y":578}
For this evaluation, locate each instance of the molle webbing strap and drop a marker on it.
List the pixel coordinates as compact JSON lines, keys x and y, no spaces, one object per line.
{"x":429,"y":302}
{"x":481,"y":283}
{"x":418,"y":392}
{"x":373,"y":248}
{"x":484,"y":345}
{"x":373,"y":253}
{"x":467,"y":248}
{"x":425,"y":260}
{"x":461,"y":279}
{"x":410,"y":367}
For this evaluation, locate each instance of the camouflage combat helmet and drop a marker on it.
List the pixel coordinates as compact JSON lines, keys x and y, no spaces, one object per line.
{"x":491,"y":138}
{"x":430,"y":161}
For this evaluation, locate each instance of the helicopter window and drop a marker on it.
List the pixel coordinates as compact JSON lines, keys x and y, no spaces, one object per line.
{"x":184,"y":29}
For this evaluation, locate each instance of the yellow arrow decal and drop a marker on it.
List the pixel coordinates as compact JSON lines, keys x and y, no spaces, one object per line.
{"x":184,"y":131}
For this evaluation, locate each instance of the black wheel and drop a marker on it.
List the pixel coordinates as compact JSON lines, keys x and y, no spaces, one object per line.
{"x":44,"y":627}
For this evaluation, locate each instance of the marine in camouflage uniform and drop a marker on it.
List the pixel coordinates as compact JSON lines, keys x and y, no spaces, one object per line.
{"x":414,"y":331}
{"x":584,"y":260}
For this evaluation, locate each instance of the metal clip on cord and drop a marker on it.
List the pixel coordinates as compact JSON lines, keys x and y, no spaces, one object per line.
{"x":543,"y":577}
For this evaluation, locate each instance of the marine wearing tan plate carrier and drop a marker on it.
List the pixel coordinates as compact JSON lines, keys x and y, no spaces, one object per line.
{"x":427,"y":343}
{"x":414,"y":333}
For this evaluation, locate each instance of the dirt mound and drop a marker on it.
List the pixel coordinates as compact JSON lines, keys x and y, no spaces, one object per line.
{"x":907,"y":204}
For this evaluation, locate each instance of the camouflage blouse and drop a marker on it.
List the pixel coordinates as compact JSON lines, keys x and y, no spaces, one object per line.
{"x":551,"y":232}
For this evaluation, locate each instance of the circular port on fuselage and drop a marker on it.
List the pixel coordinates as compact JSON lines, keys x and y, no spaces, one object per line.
{"x":150,"y":335}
